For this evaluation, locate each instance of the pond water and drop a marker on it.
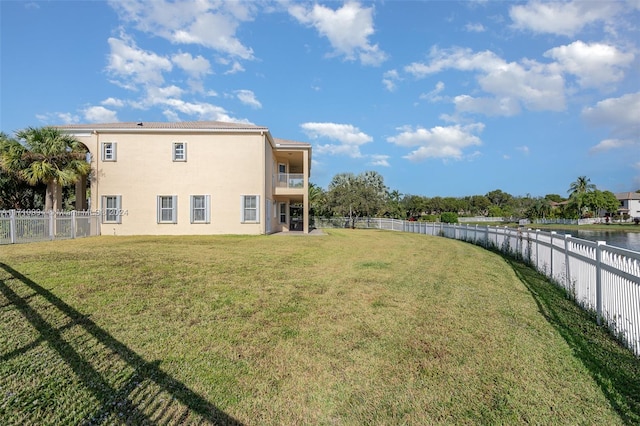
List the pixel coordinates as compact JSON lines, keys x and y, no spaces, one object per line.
{"x":627,"y":240}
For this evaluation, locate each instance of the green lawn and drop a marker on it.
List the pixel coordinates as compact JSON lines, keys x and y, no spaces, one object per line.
{"x":356,"y":327}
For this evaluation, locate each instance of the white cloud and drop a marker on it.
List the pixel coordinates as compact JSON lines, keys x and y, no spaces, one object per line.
{"x":379,"y":160}
{"x":620,"y":115}
{"x":133,"y":67}
{"x":113,"y":102}
{"x":513,"y":85}
{"x":609,"y":144}
{"x":560,"y":17}
{"x":348,"y":29}
{"x":349,"y":138}
{"x":523,"y":149}
{"x":475,"y":28}
{"x":434,"y":95}
{"x":58,"y":117}
{"x":456,"y":58}
{"x":99,"y":114}
{"x":157,"y":95}
{"x":389,"y":79}
{"x":199,"y":110}
{"x":235,"y":68}
{"x":196,"y":67}
{"x":209,"y":24}
{"x":594,"y":64}
{"x":247,"y":97}
{"x":505,"y":106}
{"x":438,"y":142}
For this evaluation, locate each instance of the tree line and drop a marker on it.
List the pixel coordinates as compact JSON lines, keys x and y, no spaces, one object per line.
{"x":40,"y":165}
{"x":38,"y":169}
{"x":366,"y":195}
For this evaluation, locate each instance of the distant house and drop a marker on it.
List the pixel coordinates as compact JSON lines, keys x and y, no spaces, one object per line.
{"x":194,"y":178}
{"x":629,"y":203}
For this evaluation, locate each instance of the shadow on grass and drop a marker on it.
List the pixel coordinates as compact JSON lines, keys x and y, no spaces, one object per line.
{"x":147,"y":395}
{"x":613,"y":367}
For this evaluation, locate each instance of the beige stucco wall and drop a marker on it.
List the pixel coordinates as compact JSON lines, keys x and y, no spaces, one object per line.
{"x":223,"y":166}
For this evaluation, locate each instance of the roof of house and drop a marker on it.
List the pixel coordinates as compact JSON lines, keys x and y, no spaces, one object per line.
{"x":165,"y":125}
{"x":289,"y":143}
{"x":628,"y":196}
{"x":181,"y":126}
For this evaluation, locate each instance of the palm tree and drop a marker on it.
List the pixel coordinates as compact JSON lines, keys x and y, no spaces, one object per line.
{"x":580,"y":186}
{"x":316,"y":199}
{"x":46,"y":155}
{"x":576,"y":190}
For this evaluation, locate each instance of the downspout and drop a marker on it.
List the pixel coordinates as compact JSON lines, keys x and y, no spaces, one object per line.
{"x":95,"y":198}
{"x":263,"y":201}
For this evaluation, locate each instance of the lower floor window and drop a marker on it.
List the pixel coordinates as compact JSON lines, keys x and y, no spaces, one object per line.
{"x":200,"y":209}
{"x":112,"y":209}
{"x":250,"y":210}
{"x":283,"y":212}
{"x":167,"y":209}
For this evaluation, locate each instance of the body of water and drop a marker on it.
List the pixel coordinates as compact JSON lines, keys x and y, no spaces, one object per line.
{"x":627,"y":240}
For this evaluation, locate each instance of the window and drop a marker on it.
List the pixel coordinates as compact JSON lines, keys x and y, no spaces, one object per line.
{"x":111,"y":209}
{"x":200,"y":209}
{"x":167,"y":209}
{"x":250,"y":210}
{"x":179,"y":151}
{"x":283,"y":212}
{"x":108,"y":151}
{"x":282,"y":172}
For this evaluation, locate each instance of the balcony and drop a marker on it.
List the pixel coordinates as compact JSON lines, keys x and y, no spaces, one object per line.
{"x":290,"y":180}
{"x":289,"y":183}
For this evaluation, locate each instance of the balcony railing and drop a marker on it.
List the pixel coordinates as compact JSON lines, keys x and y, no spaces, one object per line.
{"x":290,"y":180}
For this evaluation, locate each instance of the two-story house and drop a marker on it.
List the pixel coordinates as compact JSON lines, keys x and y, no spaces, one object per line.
{"x":629,"y":203}
{"x":188,"y":178}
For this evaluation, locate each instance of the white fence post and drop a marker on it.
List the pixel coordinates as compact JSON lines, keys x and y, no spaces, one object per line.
{"x":599,"y":245}
{"x":566,"y":261}
{"x":553,"y":233}
{"x":73,"y":224}
{"x":52,"y":224}
{"x":12,"y":226}
{"x":537,"y":251}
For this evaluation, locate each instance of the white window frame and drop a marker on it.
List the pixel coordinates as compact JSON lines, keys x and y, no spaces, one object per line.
{"x":244,"y":210}
{"x":173,"y":209}
{"x":177,"y":155}
{"x":206,"y":209}
{"x":111,"y":212}
{"x":281,"y":207}
{"x":109,"y":151}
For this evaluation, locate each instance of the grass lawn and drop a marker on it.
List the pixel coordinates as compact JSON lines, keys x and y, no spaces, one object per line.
{"x":356,"y":327}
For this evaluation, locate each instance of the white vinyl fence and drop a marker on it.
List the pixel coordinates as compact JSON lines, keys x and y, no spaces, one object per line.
{"x":601,"y":278}
{"x":26,"y":226}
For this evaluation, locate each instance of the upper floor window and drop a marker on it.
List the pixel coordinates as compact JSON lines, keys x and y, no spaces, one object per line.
{"x":108,"y":151}
{"x":179,"y":151}
{"x":282,"y":172}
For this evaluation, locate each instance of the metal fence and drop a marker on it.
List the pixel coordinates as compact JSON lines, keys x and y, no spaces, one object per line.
{"x":601,"y":278}
{"x":26,"y":226}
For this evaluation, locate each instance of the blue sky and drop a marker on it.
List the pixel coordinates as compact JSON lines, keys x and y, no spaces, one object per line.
{"x":442,"y":98}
